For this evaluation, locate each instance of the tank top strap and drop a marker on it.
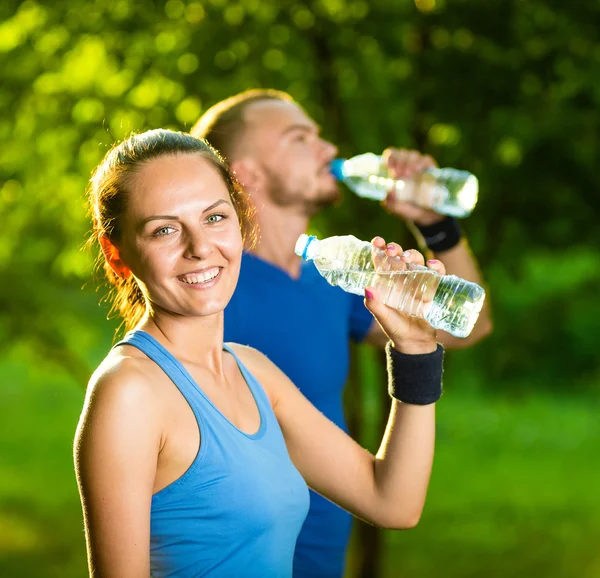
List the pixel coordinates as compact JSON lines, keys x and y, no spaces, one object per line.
{"x":174,"y":369}
{"x":259,"y":394}
{"x":203,"y":408}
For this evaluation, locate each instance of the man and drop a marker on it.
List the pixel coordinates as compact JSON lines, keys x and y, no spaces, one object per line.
{"x":282,"y":306}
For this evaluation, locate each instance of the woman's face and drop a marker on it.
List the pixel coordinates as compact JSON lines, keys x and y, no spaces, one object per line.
{"x":181,"y":235}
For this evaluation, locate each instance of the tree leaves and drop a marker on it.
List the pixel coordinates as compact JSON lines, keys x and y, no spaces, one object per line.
{"x":507,"y":90}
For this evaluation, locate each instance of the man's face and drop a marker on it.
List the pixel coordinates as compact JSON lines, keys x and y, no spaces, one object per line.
{"x":294,"y":159}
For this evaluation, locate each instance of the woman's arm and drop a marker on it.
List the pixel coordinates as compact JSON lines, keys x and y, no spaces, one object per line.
{"x":116,"y":448}
{"x":388,"y":489}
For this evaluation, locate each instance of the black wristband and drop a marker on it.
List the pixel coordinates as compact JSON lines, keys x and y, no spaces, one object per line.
{"x":441,"y":236}
{"x":415,"y":379}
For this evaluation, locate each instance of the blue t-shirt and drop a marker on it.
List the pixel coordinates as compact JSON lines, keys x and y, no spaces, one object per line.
{"x":238,"y":508}
{"x":304,"y":326}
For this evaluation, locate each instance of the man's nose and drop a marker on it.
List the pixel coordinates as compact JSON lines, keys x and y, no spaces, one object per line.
{"x":328,"y":150}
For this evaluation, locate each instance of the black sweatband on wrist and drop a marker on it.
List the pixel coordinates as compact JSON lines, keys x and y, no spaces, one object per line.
{"x":415,"y":379}
{"x":441,"y":236}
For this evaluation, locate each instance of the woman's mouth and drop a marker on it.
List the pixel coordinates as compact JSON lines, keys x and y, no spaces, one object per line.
{"x":200,"y":277}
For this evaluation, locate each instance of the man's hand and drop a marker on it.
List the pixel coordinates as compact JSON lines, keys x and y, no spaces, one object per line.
{"x":405,"y":164}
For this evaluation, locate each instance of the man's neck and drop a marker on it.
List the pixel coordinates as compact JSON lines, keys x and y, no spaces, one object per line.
{"x":278,"y":231}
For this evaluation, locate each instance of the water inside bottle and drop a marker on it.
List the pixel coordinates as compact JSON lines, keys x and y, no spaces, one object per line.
{"x":411,"y":291}
{"x":448,"y":191}
{"x":456,"y":306}
{"x":374,"y":188}
{"x":446,"y":302}
{"x":452,"y":192}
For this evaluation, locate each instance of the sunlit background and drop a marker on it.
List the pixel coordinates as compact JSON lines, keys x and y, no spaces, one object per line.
{"x":507,"y":89}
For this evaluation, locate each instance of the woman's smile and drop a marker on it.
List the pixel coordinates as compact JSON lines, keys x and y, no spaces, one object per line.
{"x":201,"y":279}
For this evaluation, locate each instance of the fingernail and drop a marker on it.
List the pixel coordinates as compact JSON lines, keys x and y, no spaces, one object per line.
{"x":406,"y":254}
{"x":368,"y":294}
{"x":390,"y":247}
{"x":432,"y":261}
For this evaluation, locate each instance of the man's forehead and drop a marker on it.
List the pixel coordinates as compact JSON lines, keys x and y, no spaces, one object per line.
{"x":276,"y":115}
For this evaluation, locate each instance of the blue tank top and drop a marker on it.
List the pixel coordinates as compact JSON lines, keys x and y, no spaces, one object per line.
{"x":238,"y":509}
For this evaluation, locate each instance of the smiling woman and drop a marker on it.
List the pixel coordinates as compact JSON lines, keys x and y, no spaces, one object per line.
{"x":109,"y":192}
{"x":193,"y":456}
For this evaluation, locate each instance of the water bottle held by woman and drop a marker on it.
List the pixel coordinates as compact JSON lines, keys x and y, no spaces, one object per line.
{"x":446,"y":191}
{"x":446,"y":302}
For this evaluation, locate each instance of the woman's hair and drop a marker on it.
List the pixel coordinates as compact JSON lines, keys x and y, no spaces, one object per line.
{"x":107,"y":196}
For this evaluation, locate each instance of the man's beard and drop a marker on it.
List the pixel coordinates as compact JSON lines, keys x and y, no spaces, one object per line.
{"x":284,"y":196}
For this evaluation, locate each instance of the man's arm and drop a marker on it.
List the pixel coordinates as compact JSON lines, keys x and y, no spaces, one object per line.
{"x":459,"y":261}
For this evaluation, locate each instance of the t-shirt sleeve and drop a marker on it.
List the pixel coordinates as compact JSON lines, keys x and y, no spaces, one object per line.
{"x":361,"y":318}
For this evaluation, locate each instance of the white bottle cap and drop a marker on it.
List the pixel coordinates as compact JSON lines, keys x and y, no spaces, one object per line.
{"x":301,"y":248}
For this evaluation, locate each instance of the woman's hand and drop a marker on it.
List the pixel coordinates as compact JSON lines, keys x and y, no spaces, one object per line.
{"x":408,"y":334}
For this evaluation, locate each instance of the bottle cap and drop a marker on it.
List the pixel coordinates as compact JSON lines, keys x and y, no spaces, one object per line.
{"x":337,"y":168}
{"x":302,"y":244}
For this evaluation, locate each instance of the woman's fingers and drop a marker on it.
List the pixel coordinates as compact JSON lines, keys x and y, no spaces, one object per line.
{"x":378,"y":242}
{"x":381,"y":312}
{"x":394,"y":259}
{"x":412,"y":256}
{"x":390,"y":256}
{"x":386,"y":256}
{"x":378,"y":252}
{"x":437,"y":266}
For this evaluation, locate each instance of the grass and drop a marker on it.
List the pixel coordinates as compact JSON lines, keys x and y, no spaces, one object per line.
{"x":515,"y":490}
{"x":41,"y":529}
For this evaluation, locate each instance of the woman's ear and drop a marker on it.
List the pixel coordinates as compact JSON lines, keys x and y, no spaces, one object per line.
{"x":113,"y":258}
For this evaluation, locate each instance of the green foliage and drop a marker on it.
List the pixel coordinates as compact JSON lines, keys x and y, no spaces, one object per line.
{"x":511,"y":492}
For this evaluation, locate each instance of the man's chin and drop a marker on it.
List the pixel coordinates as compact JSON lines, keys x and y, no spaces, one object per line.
{"x":333,"y":196}
{"x":325,"y":200}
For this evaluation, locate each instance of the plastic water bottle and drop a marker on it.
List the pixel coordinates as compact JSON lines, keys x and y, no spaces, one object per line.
{"x":447,"y":302}
{"x":446,"y":191}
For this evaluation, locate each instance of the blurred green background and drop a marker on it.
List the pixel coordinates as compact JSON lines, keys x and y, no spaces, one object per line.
{"x":505,"y":88}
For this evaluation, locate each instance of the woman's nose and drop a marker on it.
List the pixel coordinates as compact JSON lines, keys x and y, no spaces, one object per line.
{"x":199,"y":245}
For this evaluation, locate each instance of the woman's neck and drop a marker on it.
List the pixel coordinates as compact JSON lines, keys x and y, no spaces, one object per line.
{"x":198,"y":340}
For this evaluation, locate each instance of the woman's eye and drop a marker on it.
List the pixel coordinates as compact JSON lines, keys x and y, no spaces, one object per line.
{"x":163,"y":231}
{"x":215,"y":218}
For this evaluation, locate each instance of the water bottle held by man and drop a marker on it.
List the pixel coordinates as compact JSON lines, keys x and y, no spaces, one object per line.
{"x":446,"y":302}
{"x":447,"y":191}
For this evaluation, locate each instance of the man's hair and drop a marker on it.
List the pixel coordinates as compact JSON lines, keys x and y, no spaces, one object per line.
{"x":222,"y":124}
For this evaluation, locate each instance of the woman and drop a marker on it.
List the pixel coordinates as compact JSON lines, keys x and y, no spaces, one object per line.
{"x":192,"y":456}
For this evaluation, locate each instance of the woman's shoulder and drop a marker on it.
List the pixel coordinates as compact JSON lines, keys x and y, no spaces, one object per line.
{"x":126,"y":365}
{"x":126,"y":380}
{"x":121,"y":416}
